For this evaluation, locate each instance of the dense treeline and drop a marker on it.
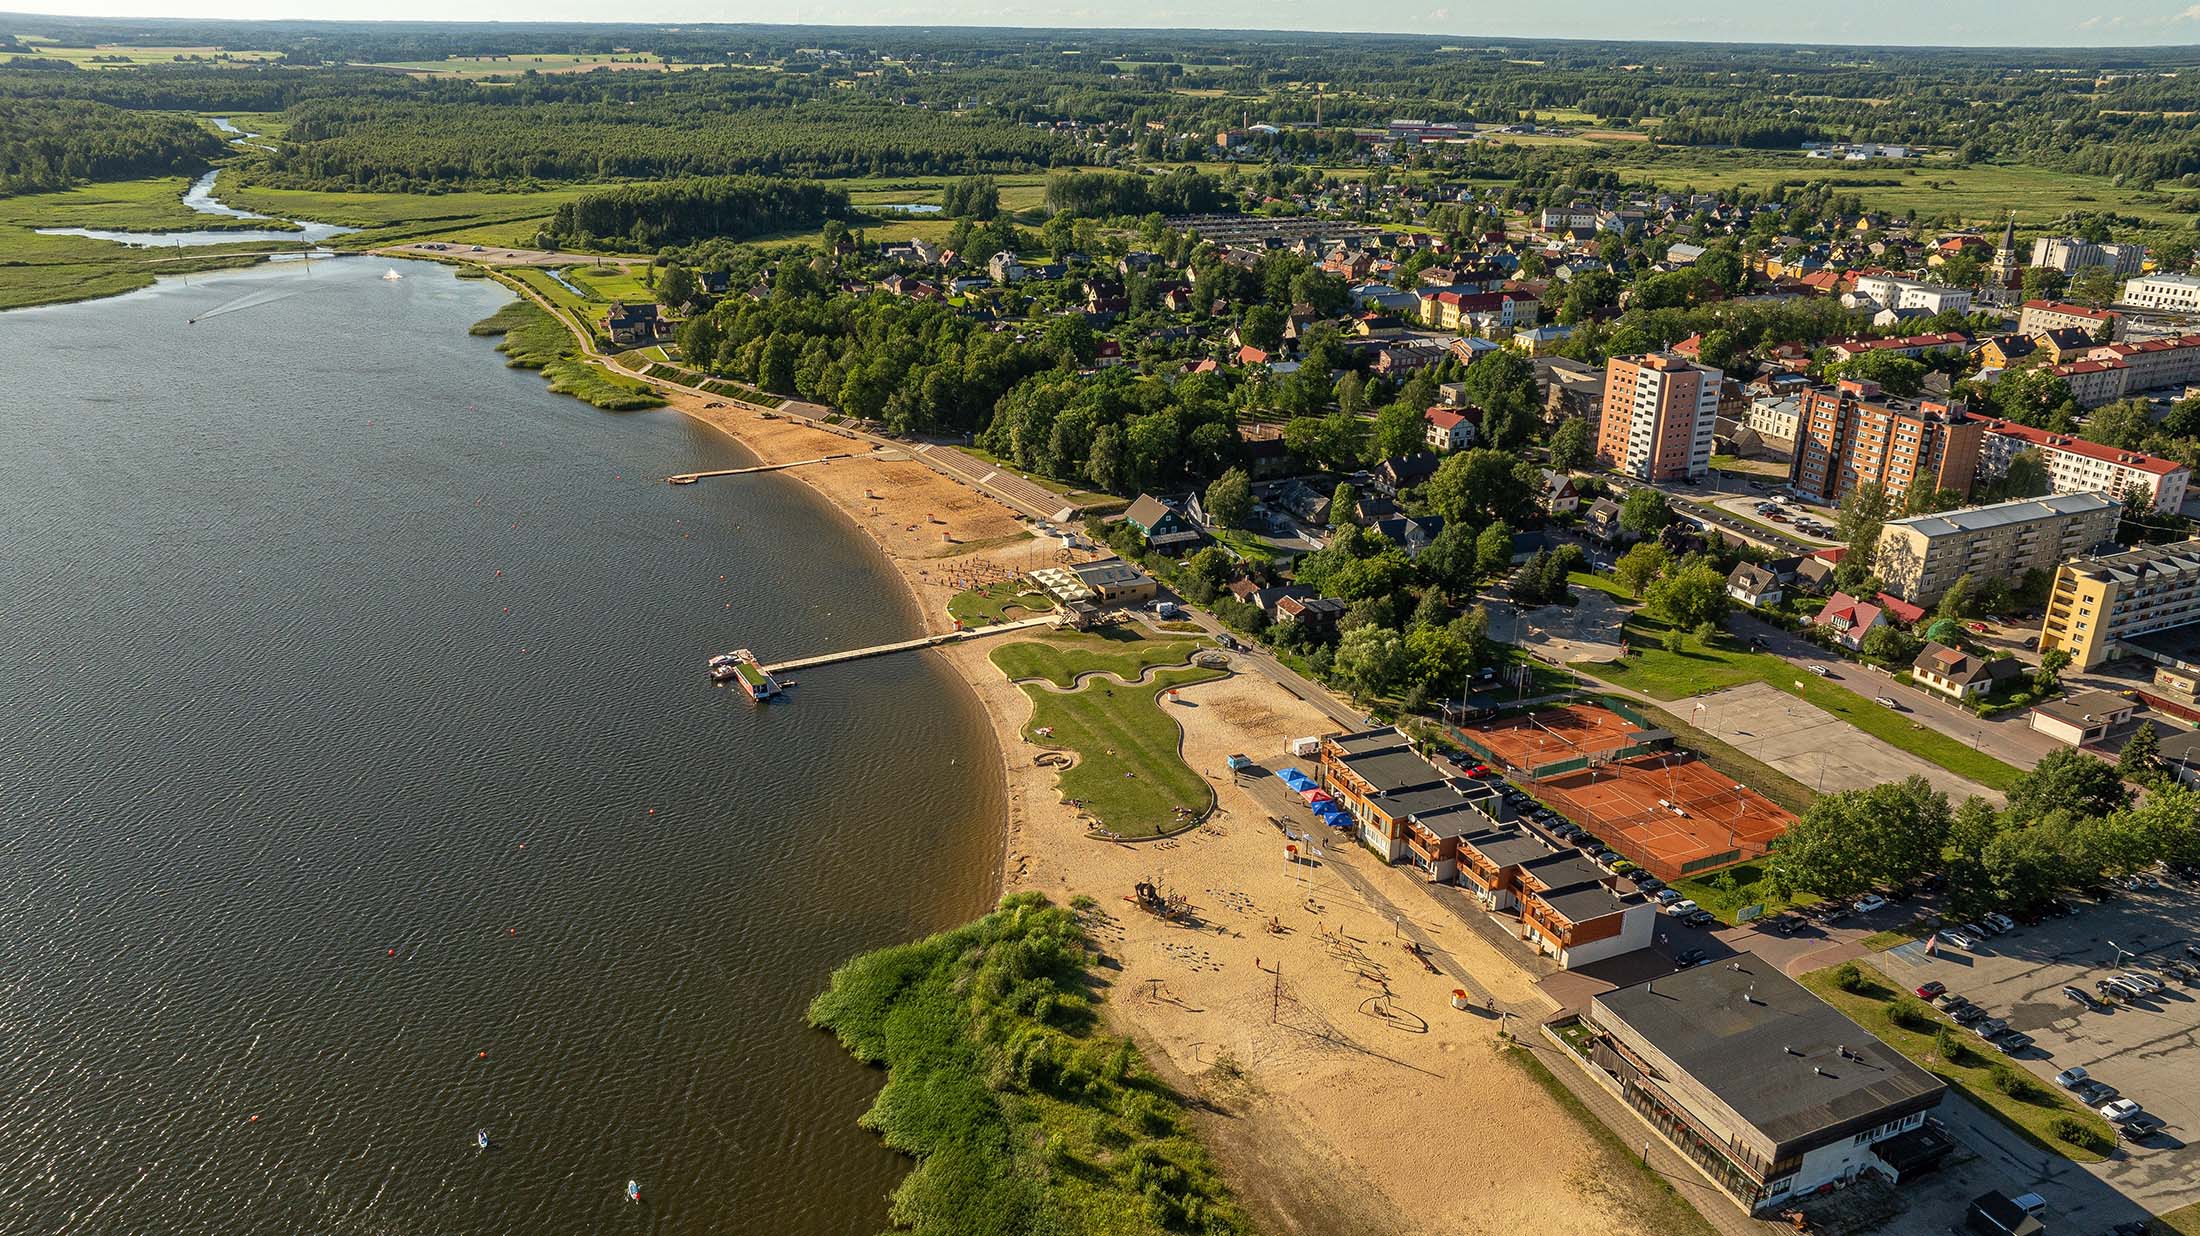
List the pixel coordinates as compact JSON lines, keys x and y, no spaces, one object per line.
{"x":1106,"y":194}
{"x":53,"y":145}
{"x":678,"y":212}
{"x":411,"y":146}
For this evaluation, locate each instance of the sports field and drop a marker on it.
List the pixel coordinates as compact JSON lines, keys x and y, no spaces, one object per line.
{"x":1665,"y":808}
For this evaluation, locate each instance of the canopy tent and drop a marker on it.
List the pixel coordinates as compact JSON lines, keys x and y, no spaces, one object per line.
{"x":1297,"y":780}
{"x":1314,"y":797}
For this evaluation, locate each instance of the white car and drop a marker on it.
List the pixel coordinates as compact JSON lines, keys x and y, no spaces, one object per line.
{"x":2148,"y":982}
{"x":1961,"y":939}
{"x":1819,"y":670}
{"x":2001,"y":922}
{"x":1682,"y":907}
{"x":1869,"y":902}
{"x":2069,"y":1078}
{"x":2119,"y":1111}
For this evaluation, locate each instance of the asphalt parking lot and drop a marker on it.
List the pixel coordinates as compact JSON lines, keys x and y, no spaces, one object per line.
{"x":2149,"y":1049}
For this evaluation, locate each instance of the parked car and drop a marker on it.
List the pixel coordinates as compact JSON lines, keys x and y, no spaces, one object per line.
{"x":1988,"y":1027}
{"x":1690,"y":957}
{"x":1960,"y":938}
{"x":1666,"y":897}
{"x":1888,"y":701}
{"x":1968,"y":1015}
{"x":1981,"y":930}
{"x":1680,"y":908}
{"x":2093,"y":1093}
{"x":2124,"y":987}
{"x":2078,"y":994}
{"x":2119,"y":1111}
{"x":1949,"y":1000}
{"x":1931,"y":990}
{"x":2151,"y":984}
{"x":2069,"y":1078}
{"x":1870,"y":902}
{"x":2010,"y":1041}
{"x":1647,"y":883}
{"x":2141,"y":1125}
{"x":1699,"y":918}
{"x":1819,"y":670}
{"x":2031,"y":1203}
{"x":2001,"y":922}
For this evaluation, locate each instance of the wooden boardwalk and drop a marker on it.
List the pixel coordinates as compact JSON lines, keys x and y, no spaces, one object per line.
{"x":689,"y":478}
{"x":927,"y":641}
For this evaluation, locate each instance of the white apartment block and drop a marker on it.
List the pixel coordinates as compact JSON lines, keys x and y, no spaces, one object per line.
{"x":1775,"y":416}
{"x":1899,"y":293}
{"x":2178,"y":293}
{"x":2076,"y":466}
{"x":2069,"y":254}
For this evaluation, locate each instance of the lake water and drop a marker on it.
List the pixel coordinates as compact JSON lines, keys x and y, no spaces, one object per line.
{"x":354,"y":724}
{"x":200,"y":197}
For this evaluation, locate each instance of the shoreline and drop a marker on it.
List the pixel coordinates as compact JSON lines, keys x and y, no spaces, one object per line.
{"x":901,"y":484}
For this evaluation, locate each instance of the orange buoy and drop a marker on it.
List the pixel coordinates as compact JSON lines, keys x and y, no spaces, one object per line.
{"x":253,"y":1120}
{"x":482,"y":1055}
{"x":393,"y":952}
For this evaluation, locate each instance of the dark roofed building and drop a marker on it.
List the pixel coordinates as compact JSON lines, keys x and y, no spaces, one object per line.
{"x":1961,"y":675}
{"x":1766,"y":1087}
{"x":1166,"y":529}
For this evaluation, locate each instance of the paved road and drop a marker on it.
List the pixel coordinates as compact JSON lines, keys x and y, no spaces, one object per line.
{"x":2008,"y":737}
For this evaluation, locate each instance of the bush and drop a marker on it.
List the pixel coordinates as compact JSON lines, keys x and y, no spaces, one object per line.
{"x":1850,"y":978}
{"x":2016,"y":1085}
{"x":2068,"y":1128}
{"x":1909,"y":1013}
{"x":1948,"y":1047}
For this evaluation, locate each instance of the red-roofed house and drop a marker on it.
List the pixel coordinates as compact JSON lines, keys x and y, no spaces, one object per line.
{"x":1912,"y":346}
{"x":1900,"y":610}
{"x":1451,"y":429}
{"x":1850,"y":619}
{"x":2154,"y":363}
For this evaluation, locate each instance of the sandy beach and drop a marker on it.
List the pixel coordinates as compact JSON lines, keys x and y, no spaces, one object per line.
{"x":1342,"y":1089}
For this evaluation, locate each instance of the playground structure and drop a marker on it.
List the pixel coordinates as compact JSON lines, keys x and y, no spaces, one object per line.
{"x":1168,"y":907}
{"x":1662,"y":806}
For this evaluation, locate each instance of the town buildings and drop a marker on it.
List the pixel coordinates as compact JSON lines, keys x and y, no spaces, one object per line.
{"x":1851,"y":433}
{"x":1107,"y":582}
{"x":2075,"y":465}
{"x":2178,"y":293}
{"x":2098,"y":601}
{"x":2082,"y":719}
{"x":1894,"y":292}
{"x":1920,"y":556}
{"x":2069,"y":254}
{"x":1659,"y":415}
{"x":2037,"y":317}
{"x":1449,"y":429}
{"x":1165,"y":526}
{"x":1961,"y":675}
{"x":1768,"y":1089}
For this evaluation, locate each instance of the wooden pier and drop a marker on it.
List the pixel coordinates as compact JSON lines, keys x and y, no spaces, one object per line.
{"x":928,"y":641}
{"x":689,"y":478}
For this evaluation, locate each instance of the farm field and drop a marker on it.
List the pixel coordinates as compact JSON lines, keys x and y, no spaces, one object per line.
{"x":548,"y":62}
{"x":116,"y":55}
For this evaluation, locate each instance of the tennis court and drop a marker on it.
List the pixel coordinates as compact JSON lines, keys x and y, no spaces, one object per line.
{"x":1664,"y":807}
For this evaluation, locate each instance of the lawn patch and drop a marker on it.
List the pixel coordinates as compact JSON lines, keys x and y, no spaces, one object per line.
{"x":2037,"y":1115}
{"x":1699,"y":668}
{"x":1001,"y":602}
{"x":1727,"y":891}
{"x":535,"y":340}
{"x":1130,"y":774}
{"x":1060,"y":658}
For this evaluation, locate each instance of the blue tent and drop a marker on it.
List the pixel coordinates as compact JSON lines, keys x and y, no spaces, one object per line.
{"x":1333,"y":815}
{"x":1298,"y":781}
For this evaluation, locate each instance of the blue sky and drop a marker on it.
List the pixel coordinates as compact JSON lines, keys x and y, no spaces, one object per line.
{"x":2038,"y":23}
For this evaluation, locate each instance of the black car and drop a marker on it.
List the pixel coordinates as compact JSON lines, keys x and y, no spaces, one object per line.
{"x":1950,"y":1000}
{"x":1647,"y":883}
{"x":1968,"y":1014}
{"x":1689,"y":957}
{"x":2078,"y":994}
{"x":2011,"y":1041}
{"x":1699,"y":917}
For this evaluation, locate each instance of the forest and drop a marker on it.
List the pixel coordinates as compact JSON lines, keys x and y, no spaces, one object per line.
{"x":58,"y":143}
{"x":675,"y":212}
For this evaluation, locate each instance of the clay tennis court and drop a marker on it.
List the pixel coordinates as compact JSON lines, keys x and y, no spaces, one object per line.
{"x":1551,"y":735}
{"x":1618,"y":800}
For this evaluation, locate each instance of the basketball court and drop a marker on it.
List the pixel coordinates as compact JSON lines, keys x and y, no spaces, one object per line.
{"x":1664,"y":807}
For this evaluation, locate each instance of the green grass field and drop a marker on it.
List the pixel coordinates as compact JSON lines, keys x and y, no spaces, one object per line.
{"x":471,"y":218}
{"x":119,"y":56}
{"x":535,"y":340}
{"x":1129,"y":773}
{"x":1653,"y":671}
{"x":1059,"y":658}
{"x":1978,"y":194}
{"x":1972,"y":1075}
{"x":1001,"y":602}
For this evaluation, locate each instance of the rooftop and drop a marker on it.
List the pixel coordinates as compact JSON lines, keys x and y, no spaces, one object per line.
{"x":1778,"y":1056}
{"x":1392,"y":771}
{"x":1510,"y":846}
{"x":2079,"y":446}
{"x":1582,"y":902}
{"x":1361,"y":743}
{"x":2135,"y":565}
{"x":2086,"y":707}
{"x":2004,"y":514}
